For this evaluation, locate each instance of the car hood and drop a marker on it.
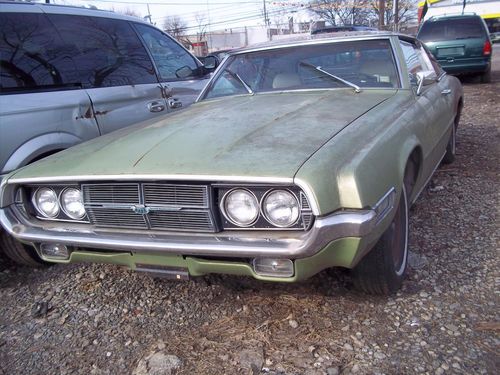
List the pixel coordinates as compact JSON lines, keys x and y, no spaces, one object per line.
{"x":264,"y":135}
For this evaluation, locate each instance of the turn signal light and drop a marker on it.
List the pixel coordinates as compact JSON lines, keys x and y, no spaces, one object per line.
{"x":54,"y":250}
{"x":273,"y":267}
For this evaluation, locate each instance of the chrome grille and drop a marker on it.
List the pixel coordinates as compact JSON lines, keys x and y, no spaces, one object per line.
{"x":304,"y":203}
{"x":152,"y":206}
{"x":116,"y":217}
{"x":181,"y":220}
{"x":111,"y":193}
{"x":176,"y":195}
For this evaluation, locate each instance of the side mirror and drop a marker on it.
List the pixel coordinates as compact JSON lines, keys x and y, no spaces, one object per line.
{"x":210,"y":62}
{"x":184,"y":72}
{"x":425,"y":78}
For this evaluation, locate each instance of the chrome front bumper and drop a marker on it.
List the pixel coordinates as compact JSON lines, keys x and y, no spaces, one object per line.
{"x":283,"y":244}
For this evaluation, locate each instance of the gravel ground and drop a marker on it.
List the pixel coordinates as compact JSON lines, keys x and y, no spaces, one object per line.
{"x":97,"y":319}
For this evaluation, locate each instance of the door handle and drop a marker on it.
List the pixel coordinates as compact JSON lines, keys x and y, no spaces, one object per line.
{"x":446,"y":92}
{"x":156,"y":106}
{"x":174,"y":103}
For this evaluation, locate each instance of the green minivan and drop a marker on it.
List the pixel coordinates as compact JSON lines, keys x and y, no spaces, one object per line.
{"x":460,"y":43}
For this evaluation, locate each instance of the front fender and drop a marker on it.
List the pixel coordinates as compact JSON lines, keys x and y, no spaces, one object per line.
{"x":361,"y":163}
{"x":38,"y":146}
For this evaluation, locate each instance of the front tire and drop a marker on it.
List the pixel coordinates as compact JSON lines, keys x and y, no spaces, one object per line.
{"x":383,"y":269}
{"x":19,"y":252}
{"x":449,"y":157}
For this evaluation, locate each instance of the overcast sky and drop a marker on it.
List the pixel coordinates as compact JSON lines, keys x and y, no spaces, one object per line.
{"x":220,"y":14}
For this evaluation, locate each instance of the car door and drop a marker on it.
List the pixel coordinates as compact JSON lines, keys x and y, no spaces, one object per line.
{"x":43,"y":107}
{"x":433,"y":107}
{"x":180,"y":74}
{"x":115,"y":69}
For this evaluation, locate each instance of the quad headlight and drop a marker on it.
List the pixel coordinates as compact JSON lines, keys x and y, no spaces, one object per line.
{"x":59,"y":203}
{"x":241,"y":207}
{"x":72,"y":203}
{"x":261,"y":207}
{"x":46,"y":202}
{"x":281,"y":208}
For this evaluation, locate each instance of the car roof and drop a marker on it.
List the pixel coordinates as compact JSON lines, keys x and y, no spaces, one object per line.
{"x":28,"y":7}
{"x":320,"y":39}
{"x":452,"y":16}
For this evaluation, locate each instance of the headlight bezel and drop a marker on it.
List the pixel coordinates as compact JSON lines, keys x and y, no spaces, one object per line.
{"x":225,"y":213}
{"x":303,"y":222}
{"x":36,"y":205}
{"x":64,"y":207}
{"x":31,"y":190}
{"x":266,"y":213}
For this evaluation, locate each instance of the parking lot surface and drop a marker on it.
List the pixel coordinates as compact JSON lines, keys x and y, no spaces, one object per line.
{"x":99,"y":319}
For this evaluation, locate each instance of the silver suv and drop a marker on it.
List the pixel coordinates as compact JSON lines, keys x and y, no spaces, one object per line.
{"x":70,"y":74}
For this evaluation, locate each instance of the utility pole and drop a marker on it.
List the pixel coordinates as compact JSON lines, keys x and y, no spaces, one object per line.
{"x":148,"y":17}
{"x":396,"y":15}
{"x":265,"y":19}
{"x":381,"y":15}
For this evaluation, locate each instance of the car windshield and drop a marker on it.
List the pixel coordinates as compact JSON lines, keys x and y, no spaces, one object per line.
{"x":349,"y":64}
{"x":451,"y":29}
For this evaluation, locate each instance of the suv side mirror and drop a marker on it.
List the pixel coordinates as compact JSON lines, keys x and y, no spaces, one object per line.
{"x":425,"y":78}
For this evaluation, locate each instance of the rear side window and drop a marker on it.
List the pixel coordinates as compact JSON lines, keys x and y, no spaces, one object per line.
{"x":451,"y":29}
{"x":32,"y":55}
{"x":107,"y":52}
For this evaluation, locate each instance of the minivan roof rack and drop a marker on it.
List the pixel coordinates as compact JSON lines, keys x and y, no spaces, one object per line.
{"x":455,"y":14}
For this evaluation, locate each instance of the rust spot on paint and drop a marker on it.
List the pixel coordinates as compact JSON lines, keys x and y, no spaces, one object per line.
{"x":88,"y":114}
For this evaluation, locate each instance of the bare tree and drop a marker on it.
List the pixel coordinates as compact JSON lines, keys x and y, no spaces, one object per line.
{"x":407,"y":12}
{"x":176,"y":27}
{"x":126,"y":12}
{"x":346,"y":12}
{"x":201,"y":21}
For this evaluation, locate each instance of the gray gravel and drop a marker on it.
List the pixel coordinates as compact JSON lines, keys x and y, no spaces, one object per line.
{"x":98,"y":319}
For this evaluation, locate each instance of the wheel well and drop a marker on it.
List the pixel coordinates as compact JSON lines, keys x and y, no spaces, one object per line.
{"x":44,"y":155}
{"x":412,"y":170}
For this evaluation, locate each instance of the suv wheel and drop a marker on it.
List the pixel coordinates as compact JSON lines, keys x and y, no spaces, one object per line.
{"x":382,"y":270}
{"x":486,"y":76}
{"x":19,"y":252}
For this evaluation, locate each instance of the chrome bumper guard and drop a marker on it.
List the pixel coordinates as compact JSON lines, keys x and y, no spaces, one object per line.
{"x":281,"y":244}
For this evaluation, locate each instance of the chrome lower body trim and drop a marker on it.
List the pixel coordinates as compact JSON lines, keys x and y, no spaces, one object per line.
{"x":284,"y":244}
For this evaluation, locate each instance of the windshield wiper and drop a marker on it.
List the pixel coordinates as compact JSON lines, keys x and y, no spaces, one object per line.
{"x":356,"y":88}
{"x":245,"y":85}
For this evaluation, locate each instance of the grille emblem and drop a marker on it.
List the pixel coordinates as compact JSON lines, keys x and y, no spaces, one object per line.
{"x":140,"y":209}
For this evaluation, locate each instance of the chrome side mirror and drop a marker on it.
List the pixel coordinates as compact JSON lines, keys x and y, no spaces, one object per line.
{"x":425,"y":78}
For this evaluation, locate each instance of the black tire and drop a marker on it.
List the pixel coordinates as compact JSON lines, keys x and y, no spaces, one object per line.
{"x":383,"y":269}
{"x":449,"y":157}
{"x":486,"y":76}
{"x":19,"y":252}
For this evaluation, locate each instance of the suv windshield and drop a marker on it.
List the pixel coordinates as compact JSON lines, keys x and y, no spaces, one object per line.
{"x":450,"y":29}
{"x":364,"y":63}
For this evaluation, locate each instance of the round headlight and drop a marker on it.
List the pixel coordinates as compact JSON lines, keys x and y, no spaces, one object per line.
{"x":46,"y":202}
{"x":241,"y":207}
{"x":281,"y":208}
{"x":72,"y":203}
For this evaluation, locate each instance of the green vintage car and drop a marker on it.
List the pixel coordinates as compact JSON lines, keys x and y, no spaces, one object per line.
{"x":296,"y":157}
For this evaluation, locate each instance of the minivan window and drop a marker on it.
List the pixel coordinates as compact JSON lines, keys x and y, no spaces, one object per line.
{"x":168,"y":56}
{"x":32,"y":55}
{"x":107,"y":52}
{"x":450,"y":29}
